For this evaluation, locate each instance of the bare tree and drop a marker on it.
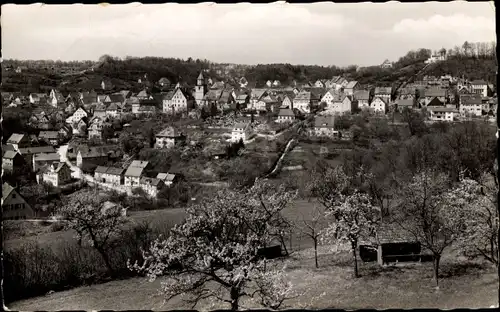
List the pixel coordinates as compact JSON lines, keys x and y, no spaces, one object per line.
{"x":311,"y":226}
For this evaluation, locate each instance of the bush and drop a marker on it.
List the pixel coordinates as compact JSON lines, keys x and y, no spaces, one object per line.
{"x":56,"y":227}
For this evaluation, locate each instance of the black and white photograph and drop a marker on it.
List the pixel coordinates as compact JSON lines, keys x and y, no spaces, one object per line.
{"x":243,"y":156}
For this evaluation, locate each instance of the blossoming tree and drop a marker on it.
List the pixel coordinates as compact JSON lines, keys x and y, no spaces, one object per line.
{"x":214,"y":253}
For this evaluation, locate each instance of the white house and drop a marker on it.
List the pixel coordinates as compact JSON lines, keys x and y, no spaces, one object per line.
{"x":442,"y":113}
{"x":379,"y":105}
{"x":351,"y":87}
{"x":302,"y":102}
{"x":323,"y":126}
{"x":168,"y":138}
{"x":151,"y":186}
{"x":241,"y":130}
{"x":479,"y":87}
{"x":109,"y":175}
{"x":340,"y":105}
{"x":57,"y":174}
{"x":285,"y":115}
{"x":435,"y":58}
{"x":177,"y":101}
{"x":77,"y":115}
{"x":471,"y":104}
{"x":329,"y":97}
{"x":134,"y":173}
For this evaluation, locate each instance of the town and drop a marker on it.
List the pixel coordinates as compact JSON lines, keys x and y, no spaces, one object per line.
{"x":163,"y":145}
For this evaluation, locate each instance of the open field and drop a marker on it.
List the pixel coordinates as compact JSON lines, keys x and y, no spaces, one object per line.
{"x":330,"y":286}
{"x":19,"y":232}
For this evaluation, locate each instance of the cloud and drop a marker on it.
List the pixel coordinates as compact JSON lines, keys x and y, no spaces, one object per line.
{"x":458,"y":25}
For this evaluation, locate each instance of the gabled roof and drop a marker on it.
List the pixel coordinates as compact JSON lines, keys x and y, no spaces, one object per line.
{"x":241,"y":125}
{"x":60,"y":166}
{"x":169,"y":132}
{"x":47,"y":157}
{"x":200,"y":76}
{"x":383,"y":90}
{"x":112,"y":107}
{"x":442,"y":109}
{"x":116,"y":98}
{"x":15,"y":138}
{"x":6,"y":190}
{"x":37,"y":150}
{"x":165,"y":176}
{"x":351,"y":84}
{"x":435,"y":92}
{"x":479,"y":82}
{"x":150,"y":181}
{"x":435,"y":102}
{"x":363,"y":95}
{"x":324,"y":122}
{"x":303,"y":96}
{"x":136,"y":167}
{"x":379,"y":98}
{"x":48,"y":134}
{"x":257,"y":93}
{"x":470,"y":99}
{"x":143,"y":93}
{"x":405,"y":102}
{"x":286,"y":112}
{"x":10,"y":154}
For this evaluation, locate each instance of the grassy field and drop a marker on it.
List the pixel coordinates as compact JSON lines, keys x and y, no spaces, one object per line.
{"x":463,"y":285}
{"x":19,"y":232}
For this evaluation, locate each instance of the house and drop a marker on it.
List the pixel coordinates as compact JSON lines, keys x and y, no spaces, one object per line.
{"x":167,"y":178}
{"x":267,"y":103}
{"x":401,"y":104}
{"x":43,"y":159}
{"x":100,"y":111}
{"x":95,"y":128}
{"x":442,"y":113}
{"x":256,"y":95}
{"x":431,"y":93}
{"x":112,"y":110}
{"x":12,"y":160}
{"x":92,"y":156}
{"x":276,"y":83}
{"x":106,"y":85}
{"x":79,"y":128}
{"x":242,"y":100}
{"x":330,"y":96}
{"x":320,"y":83}
{"x":28,"y":152}
{"x":164,"y":82}
{"x":385,"y":93}
{"x":435,"y":58}
{"x":134,"y":173}
{"x":14,"y":207}
{"x":151,"y":186}
{"x":341,"y":105}
{"x":407,"y":94}
{"x":243,"y":82}
{"x":331,"y":83}
{"x":18,"y":141}
{"x":302,"y":102}
{"x":285,"y":115}
{"x":287,"y":101}
{"x":241,"y":131}
{"x":55,"y":98}
{"x":109,"y":175}
{"x":148,"y":110}
{"x":269,"y":84}
{"x":386,"y":64}
{"x":125,"y":93}
{"x":471,"y":104}
{"x":38,"y":98}
{"x":51,"y":137}
{"x":177,"y":101}
{"x":351,"y":87}
{"x":65,"y":132}
{"x":57,"y":174}
{"x":363,"y":98}
{"x":323,"y":126}
{"x":435,"y":102}
{"x":479,"y":87}
{"x":379,"y":105}
{"x":77,"y":116}
{"x":168,"y":138}
{"x":143,"y":95}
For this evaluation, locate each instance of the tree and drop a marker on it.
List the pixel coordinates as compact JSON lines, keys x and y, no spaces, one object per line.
{"x":479,"y":239}
{"x":432,"y":211}
{"x":415,"y":121}
{"x":89,"y":214}
{"x":356,"y":219}
{"x":310,"y":226}
{"x":216,"y":249}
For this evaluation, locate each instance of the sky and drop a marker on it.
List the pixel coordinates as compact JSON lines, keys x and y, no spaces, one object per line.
{"x":323,"y":33}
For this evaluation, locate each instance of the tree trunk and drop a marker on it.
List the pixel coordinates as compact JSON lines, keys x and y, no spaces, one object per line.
{"x":355,"y":256}
{"x":105,"y":257}
{"x":437,"y":258}
{"x":316,"y":251}
{"x":235,"y":296}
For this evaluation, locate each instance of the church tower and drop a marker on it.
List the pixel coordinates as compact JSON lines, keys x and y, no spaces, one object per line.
{"x":200,"y":89}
